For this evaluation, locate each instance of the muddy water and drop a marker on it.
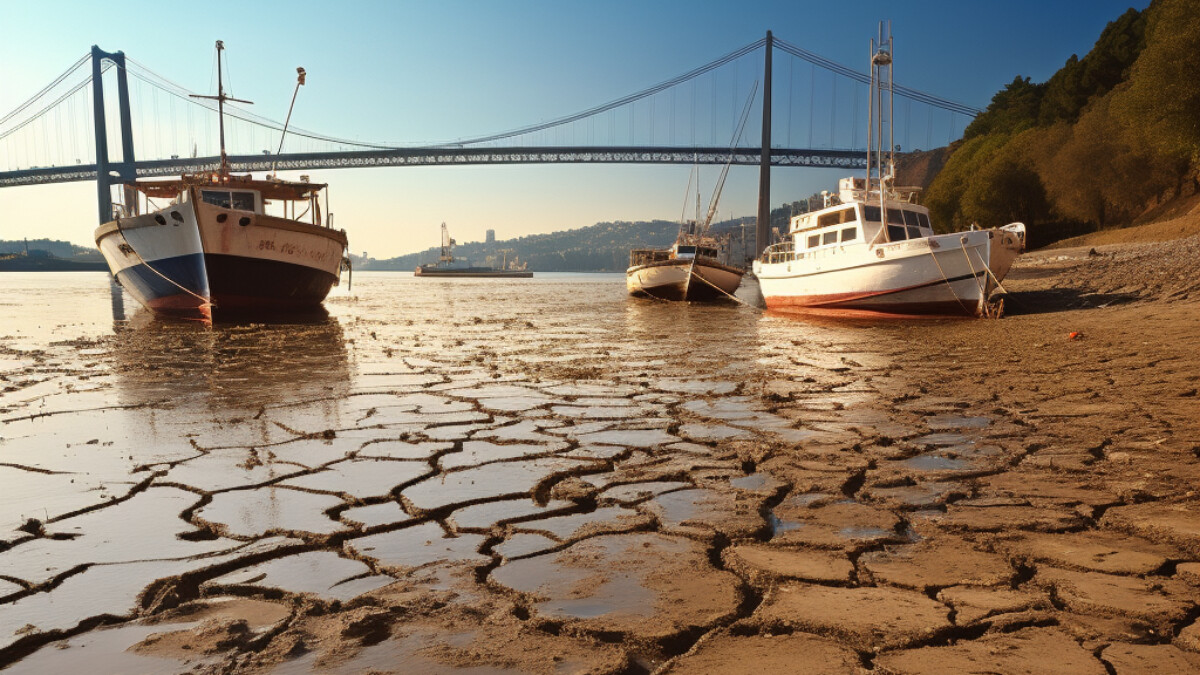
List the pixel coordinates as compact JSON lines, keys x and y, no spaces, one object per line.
{"x":528,"y":476}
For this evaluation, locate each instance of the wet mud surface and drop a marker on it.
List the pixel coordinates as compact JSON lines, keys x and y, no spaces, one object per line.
{"x":548,"y":477}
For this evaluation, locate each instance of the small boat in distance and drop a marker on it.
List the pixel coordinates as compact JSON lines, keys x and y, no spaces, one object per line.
{"x":215,"y":245}
{"x":871,"y":248}
{"x":690,"y":270}
{"x":696,"y":267}
{"x":448,"y":266}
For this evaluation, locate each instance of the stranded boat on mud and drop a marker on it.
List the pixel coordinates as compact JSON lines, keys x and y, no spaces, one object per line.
{"x":214,"y":245}
{"x":689,"y":270}
{"x":448,"y":266}
{"x":872,"y":249}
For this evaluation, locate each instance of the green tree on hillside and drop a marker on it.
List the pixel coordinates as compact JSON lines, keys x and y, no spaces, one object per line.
{"x":1162,"y":98}
{"x":1104,"y":67}
{"x":1014,"y":108}
{"x":944,"y":197}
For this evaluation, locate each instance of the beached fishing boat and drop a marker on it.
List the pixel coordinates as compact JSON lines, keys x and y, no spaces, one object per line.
{"x":695,"y":267}
{"x":216,"y":244}
{"x":690,"y":270}
{"x":871,"y":248}
{"x":448,"y":266}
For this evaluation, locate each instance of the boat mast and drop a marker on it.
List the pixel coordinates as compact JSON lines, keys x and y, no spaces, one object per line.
{"x":881,"y":61}
{"x":220,"y":98}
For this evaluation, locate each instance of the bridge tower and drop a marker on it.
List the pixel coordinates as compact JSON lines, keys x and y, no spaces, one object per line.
{"x":105,"y":169}
{"x":763,"y":229}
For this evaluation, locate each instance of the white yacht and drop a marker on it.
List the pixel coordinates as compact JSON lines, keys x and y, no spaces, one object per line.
{"x":871,"y":248}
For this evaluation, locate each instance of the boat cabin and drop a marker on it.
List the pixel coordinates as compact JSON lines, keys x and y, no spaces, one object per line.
{"x":841,"y":225}
{"x":297,"y":201}
{"x":690,"y":251}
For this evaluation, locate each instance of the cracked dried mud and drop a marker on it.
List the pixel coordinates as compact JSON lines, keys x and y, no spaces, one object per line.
{"x":544,"y":476}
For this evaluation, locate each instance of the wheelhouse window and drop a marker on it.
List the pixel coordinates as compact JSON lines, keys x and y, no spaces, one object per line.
{"x":924,"y":220}
{"x":239,"y":201}
{"x":687,"y":249}
{"x":896,"y":233}
{"x":836,"y":217}
{"x":871,"y":214}
{"x":850,"y":234}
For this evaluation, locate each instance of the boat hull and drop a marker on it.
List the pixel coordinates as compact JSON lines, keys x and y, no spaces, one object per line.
{"x":941,"y":275}
{"x":683,"y":280}
{"x":1008,"y":242}
{"x":185,"y":260}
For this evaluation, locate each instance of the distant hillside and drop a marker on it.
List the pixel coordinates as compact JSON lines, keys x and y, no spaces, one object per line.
{"x":56,"y":248}
{"x":1110,"y":140}
{"x":603,"y":247}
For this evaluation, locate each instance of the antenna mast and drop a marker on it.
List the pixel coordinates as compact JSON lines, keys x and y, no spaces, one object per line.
{"x":220,"y":98}
{"x":881,"y":70}
{"x":299,"y":81}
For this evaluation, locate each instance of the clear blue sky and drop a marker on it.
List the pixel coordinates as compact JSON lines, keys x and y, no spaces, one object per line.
{"x":414,"y":72}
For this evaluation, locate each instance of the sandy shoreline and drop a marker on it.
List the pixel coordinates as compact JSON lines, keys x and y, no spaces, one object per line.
{"x":918,"y":497}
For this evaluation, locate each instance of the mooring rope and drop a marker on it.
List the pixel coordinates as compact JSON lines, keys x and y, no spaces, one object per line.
{"x":204,"y":302}
{"x":933,"y":254}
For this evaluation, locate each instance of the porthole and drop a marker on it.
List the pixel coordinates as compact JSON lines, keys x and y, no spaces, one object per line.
{"x":176,"y":216}
{"x":222,"y":217}
{"x":244,"y":221}
{"x":159,"y":219}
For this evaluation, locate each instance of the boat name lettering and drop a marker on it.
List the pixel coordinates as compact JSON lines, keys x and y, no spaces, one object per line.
{"x":293,"y":250}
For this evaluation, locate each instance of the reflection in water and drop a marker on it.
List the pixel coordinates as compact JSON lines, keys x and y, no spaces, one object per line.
{"x":233,"y":364}
{"x":118,"y":301}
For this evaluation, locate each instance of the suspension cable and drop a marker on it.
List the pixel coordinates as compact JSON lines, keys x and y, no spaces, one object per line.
{"x":56,"y":101}
{"x":846,"y":71}
{"x":83,"y":59}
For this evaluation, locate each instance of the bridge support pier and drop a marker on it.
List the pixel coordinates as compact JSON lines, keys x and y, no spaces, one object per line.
{"x":763,"y":230}
{"x":124,"y":170}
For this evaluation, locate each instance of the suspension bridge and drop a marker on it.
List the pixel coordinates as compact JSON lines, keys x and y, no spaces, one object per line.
{"x":63,"y":133}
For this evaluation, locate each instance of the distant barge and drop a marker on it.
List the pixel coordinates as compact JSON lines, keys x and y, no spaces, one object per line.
{"x":448,"y":267}
{"x":435,"y":271}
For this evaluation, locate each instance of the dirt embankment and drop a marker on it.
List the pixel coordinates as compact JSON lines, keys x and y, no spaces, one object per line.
{"x":1180,"y":221}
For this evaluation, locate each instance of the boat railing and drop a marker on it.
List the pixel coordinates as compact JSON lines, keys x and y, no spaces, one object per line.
{"x":781,"y":252}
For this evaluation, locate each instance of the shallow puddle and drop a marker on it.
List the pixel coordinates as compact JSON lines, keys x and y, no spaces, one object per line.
{"x":321,"y":573}
{"x":417,"y":546}
{"x":492,"y":481}
{"x":255,"y":513}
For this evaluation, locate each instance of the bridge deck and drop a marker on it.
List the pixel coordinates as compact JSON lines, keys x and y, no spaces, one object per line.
{"x":449,"y":155}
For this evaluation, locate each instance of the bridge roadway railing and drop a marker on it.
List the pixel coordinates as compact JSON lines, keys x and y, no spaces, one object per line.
{"x":451,"y":155}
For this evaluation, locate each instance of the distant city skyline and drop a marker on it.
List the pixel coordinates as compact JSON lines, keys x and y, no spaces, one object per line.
{"x":422,"y":72}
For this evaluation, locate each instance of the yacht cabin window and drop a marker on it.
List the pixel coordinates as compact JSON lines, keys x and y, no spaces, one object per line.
{"x":814,"y":240}
{"x":836,"y":217}
{"x":829,"y":237}
{"x":239,"y":201}
{"x":850,"y":234}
